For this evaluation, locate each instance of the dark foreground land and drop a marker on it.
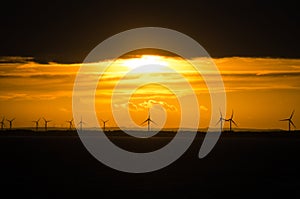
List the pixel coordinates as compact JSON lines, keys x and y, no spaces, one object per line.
{"x":242,"y":165}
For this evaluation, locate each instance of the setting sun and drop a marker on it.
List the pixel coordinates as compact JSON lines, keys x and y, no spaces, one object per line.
{"x":154,"y":60}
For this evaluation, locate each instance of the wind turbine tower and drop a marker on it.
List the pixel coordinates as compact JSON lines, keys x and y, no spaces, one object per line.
{"x":71,"y":123}
{"x":2,"y":123}
{"x":148,"y":121}
{"x":81,"y":123}
{"x":10,"y":123}
{"x":104,"y":122}
{"x":46,"y":123}
{"x":36,"y":124}
{"x":221,"y":121}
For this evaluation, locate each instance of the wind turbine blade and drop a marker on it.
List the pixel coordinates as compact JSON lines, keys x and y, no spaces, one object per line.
{"x":44,"y":119}
{"x":153,"y":122}
{"x":292,"y":114}
{"x":218,"y":122}
{"x":292,"y":123}
{"x":13,"y":119}
{"x":144,"y":122}
{"x":234,"y":123}
{"x":284,"y":120}
{"x":231,"y":115}
{"x":220,"y":113}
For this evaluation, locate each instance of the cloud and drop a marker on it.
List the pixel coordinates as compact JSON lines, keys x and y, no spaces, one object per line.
{"x":150,"y":103}
{"x":15,"y":59}
{"x":26,"y":96}
{"x":278,"y":74}
{"x":145,"y":105}
{"x":132,"y":106}
{"x":64,"y":110}
{"x":204,"y":108}
{"x":2,"y":76}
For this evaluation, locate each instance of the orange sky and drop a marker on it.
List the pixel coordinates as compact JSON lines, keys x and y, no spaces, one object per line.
{"x":260,"y":90}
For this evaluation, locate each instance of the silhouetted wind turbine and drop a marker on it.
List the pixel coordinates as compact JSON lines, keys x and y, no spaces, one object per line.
{"x":10,"y":122}
{"x":221,"y":120}
{"x":46,"y":123}
{"x":2,"y":123}
{"x":230,"y":120}
{"x":71,"y":123}
{"x":104,"y":122}
{"x":290,"y":121}
{"x":36,"y":124}
{"x":148,"y":120}
{"x":81,"y":123}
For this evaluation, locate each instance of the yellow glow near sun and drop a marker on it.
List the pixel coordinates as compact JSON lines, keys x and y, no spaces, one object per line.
{"x":144,"y":60}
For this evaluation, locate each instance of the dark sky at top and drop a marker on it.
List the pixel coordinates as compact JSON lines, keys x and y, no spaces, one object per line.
{"x":66,"y":32}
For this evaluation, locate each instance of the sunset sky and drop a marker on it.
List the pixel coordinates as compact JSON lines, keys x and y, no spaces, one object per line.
{"x":260,"y":90}
{"x":255,"y":46}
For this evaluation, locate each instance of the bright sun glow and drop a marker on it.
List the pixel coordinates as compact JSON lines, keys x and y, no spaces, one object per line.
{"x":145,"y":60}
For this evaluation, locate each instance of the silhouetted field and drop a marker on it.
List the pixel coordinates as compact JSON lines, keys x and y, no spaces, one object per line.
{"x":55,"y":164}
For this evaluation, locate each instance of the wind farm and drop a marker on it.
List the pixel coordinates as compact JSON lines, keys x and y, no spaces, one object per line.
{"x":148,"y":121}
